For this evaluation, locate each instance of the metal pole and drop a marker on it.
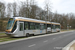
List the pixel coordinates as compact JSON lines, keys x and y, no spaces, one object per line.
{"x":46,"y":24}
{"x":51,"y":24}
{"x":51,"y":27}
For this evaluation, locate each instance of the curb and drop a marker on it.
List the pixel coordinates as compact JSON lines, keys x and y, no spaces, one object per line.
{"x":32,"y":37}
{"x":69,"y":45}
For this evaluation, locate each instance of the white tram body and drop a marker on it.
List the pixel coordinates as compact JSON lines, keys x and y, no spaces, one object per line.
{"x":20,"y":26}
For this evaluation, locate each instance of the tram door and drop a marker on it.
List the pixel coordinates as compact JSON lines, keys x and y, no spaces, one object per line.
{"x":54,"y":30}
{"x":21,"y":29}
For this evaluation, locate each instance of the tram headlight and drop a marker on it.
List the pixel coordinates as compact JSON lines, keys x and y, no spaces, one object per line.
{"x":7,"y":32}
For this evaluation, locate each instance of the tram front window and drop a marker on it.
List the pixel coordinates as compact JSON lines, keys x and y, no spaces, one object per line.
{"x":10,"y":23}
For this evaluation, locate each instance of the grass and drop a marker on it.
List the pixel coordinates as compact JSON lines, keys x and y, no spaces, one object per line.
{"x":66,"y":30}
{"x":4,"y":37}
{"x":8,"y":39}
{"x":2,"y":34}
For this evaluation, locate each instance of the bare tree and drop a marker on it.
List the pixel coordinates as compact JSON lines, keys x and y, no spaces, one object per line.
{"x":34,"y":11}
{"x":2,"y":15}
{"x":28,"y":8}
{"x":14,"y":9}
{"x":2,"y":10}
{"x":9,"y":10}
{"x":23,"y":10}
{"x":48,"y":9}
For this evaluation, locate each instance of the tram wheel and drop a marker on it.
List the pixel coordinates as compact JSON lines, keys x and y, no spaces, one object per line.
{"x":27,"y":35}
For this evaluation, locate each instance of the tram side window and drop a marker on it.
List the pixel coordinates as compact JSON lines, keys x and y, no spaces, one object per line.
{"x":58,"y":26}
{"x":21,"y":27}
{"x":48,"y":25}
{"x":26,"y":24}
{"x":32,"y":26}
{"x":44,"y":26}
{"x":53,"y":26}
{"x":37,"y":25}
{"x":41,"y":26}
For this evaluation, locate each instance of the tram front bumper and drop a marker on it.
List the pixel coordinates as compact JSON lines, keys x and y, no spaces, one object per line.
{"x":11,"y":34}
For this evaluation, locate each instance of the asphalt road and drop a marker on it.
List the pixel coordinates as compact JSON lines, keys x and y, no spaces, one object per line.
{"x":52,"y":42}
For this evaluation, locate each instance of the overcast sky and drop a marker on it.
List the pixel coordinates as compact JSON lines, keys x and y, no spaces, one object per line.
{"x":61,"y":6}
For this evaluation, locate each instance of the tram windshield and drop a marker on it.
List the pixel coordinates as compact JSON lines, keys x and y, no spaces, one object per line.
{"x":10,"y":23}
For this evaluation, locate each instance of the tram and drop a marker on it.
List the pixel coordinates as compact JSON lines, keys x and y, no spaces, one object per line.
{"x":20,"y":26}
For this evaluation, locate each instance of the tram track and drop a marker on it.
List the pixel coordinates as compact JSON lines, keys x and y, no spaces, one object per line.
{"x":3,"y":36}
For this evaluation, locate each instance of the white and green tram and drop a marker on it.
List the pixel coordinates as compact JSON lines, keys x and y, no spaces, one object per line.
{"x":20,"y":26}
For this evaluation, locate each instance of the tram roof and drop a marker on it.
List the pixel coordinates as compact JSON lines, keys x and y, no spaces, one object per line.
{"x":35,"y":20}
